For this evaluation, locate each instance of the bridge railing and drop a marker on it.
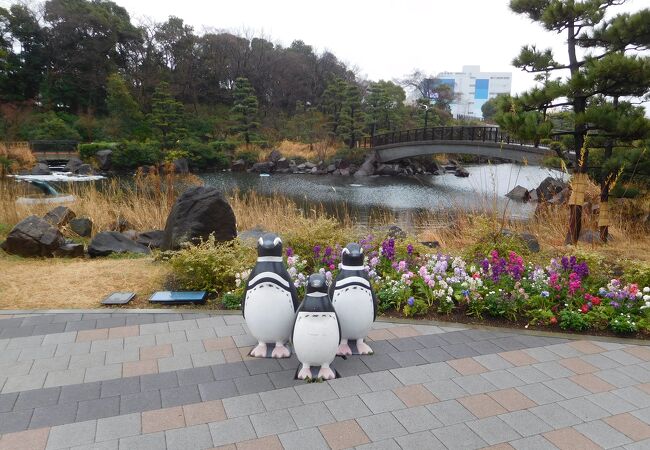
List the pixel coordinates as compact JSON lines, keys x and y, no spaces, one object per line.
{"x":479,"y":134}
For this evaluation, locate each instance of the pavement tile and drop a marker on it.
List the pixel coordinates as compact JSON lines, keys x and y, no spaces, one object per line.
{"x":36,"y":398}
{"x":616,"y":378}
{"x":92,"y":335}
{"x":404,"y":331}
{"x":639,"y":372}
{"x":529,"y":443}
{"x":312,"y":415}
{"x":144,"y":401}
{"x":23,"y":383}
{"x":156,"y":351}
{"x":639,"y":351}
{"x":603,"y":434}
{"x":120,"y":386}
{"x":586,"y":347}
{"x":541,"y":354}
{"x":518,"y":358}
{"x":173,"y":363}
{"x":204,"y":412}
{"x":155,"y":441}
{"x":7,"y":401}
{"x":633,"y":395}
{"x":611,"y":403}
{"x":445,"y":389}
{"x":280,"y":399}
{"x":493,"y":362}
{"x":118,"y":427}
{"x":273,"y":422}
{"x":101,"y":373}
{"x":183,"y":395}
{"x":460,"y":350}
{"x":381,"y":426}
{"x":196,"y":437}
{"x":222,"y":343}
{"x":15,"y":421}
{"x":415,"y":395}
{"x":600,"y":361}
{"x":434,"y":355}
{"x":417,"y":419}
{"x":296,"y":440}
{"x":555,"y":416}
{"x":344,"y":434}
{"x":316,"y":392}
{"x":98,"y":409}
{"x":578,"y":366}
{"x":458,"y":436}
{"x":79,"y":392}
{"x":482,"y":405}
{"x":564,"y":350}
{"x":493,"y":430}
{"x":379,"y":362}
{"x":450,"y":412}
{"x":348,"y":408}
{"x":502,"y":379}
{"x":475,"y":384}
{"x":512,"y":400}
{"x":407,"y":358}
{"x":570,"y":439}
{"x":284,"y":379}
{"x":467,"y":366}
{"x":217,"y":390}
{"x":379,"y":381}
{"x":229,"y":371}
{"x":553,"y":369}
{"x":622,"y":357}
{"x":592,"y":383}
{"x":419,"y":440}
{"x":64,"y":377}
{"x":243,"y":405}
{"x":49,"y":416}
{"x":64,"y":436}
{"x":122,"y":332}
{"x":567,"y":388}
{"x":630,"y":426}
{"x":383,"y":334}
{"x":137,"y":368}
{"x":231,"y":430}
{"x":158,"y":381}
{"x":584,"y":409}
{"x":162,"y":419}
{"x":25,"y":440}
{"x":382,"y":401}
{"x":195,"y":376}
{"x":525,"y":423}
{"x":347,"y":386}
{"x":253,"y":384}
{"x":208,"y":358}
{"x":529,"y":374}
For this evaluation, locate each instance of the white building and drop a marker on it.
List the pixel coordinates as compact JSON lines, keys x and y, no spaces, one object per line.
{"x":472,"y":88}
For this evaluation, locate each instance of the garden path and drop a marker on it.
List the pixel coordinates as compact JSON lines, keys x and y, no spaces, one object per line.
{"x":159,"y":379}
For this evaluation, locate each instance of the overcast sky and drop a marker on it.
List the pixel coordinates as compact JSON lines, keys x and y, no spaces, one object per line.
{"x":384,"y":39}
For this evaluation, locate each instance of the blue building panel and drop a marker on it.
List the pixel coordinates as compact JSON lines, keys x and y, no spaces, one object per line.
{"x":481,"y":92}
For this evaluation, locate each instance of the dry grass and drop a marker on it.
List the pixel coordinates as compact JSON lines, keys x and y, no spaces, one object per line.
{"x":60,"y":283}
{"x":19,"y":154}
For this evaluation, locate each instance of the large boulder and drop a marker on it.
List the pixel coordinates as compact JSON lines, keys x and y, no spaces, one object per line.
{"x":262,"y":167}
{"x":274,"y":156}
{"x":41,"y":169}
{"x":103,"y":158}
{"x":368,"y":166}
{"x":199,"y":212}
{"x":151,"y":239}
{"x":33,"y":237}
{"x":83,"y":226}
{"x":85,"y":169}
{"x":108,"y":242}
{"x":461,"y":172}
{"x":282,"y":163}
{"x":548,"y":188}
{"x":70,"y":250}
{"x":59,"y":216}
{"x":73,"y":165}
{"x":519,"y":193}
{"x":238,"y":166}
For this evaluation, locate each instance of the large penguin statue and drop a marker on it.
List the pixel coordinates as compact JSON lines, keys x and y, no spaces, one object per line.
{"x":353,"y":300}
{"x":316,"y":331}
{"x":270,"y":300}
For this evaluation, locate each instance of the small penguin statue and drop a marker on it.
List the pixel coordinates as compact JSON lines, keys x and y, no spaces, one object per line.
{"x":270,"y":300}
{"x":353,"y":300}
{"x":316,"y":331}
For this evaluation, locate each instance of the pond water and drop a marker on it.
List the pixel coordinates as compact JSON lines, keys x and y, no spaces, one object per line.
{"x":483,"y":190}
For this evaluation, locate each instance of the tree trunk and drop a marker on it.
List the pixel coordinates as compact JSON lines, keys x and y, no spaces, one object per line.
{"x":606,"y":183}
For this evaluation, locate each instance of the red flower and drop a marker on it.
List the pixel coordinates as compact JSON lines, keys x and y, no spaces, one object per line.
{"x":585,"y":308}
{"x":553,"y":320}
{"x":595,"y":301}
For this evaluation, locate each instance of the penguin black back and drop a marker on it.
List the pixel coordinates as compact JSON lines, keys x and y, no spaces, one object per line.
{"x":316,"y":298}
{"x":352,"y":255}
{"x":269,"y":244}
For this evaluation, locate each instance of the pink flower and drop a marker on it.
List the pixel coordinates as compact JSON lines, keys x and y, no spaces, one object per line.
{"x":332,"y":266}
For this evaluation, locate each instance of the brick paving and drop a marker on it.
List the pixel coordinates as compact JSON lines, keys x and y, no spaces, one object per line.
{"x":143,"y":379}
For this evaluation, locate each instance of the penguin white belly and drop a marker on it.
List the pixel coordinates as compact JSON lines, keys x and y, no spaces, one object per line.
{"x":269,"y":313}
{"x":355,"y":311}
{"x":316,"y":338}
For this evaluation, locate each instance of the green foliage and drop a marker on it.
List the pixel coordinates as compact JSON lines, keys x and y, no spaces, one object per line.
{"x":384,"y":105}
{"x":231,"y":300}
{"x":571,"y":319}
{"x":87,"y":151}
{"x":167,"y":116}
{"x":502,"y":243}
{"x":124,"y":112}
{"x":311,"y":232}
{"x":53,"y":127}
{"x":244,"y":110}
{"x":211,"y":266}
{"x":130,"y":155}
{"x":623,"y":324}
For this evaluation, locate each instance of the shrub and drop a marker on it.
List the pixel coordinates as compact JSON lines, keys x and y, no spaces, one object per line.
{"x":211,"y":266}
{"x":87,"y":151}
{"x":571,"y":319}
{"x":129,"y":155}
{"x":206,"y":156}
{"x":321,"y":232}
{"x":502,"y":243}
{"x":623,"y":324}
{"x":231,"y":300}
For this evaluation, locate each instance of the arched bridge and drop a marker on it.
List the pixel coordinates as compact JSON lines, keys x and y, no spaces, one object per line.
{"x":482,"y":141}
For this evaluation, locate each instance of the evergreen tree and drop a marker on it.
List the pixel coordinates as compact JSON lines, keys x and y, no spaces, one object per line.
{"x":123,"y":111}
{"x":608,"y":68}
{"x":333,"y":101}
{"x":244,"y":110}
{"x":167,"y":116}
{"x":384,"y":105}
{"x":351,"y":117}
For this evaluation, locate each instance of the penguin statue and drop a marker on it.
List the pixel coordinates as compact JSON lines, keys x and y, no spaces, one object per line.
{"x":316,"y":331}
{"x":270,"y":300}
{"x":354,"y":301}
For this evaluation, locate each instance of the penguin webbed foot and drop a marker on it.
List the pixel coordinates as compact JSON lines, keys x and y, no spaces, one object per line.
{"x":259,"y":351}
{"x":363,"y":348}
{"x":280,"y":351}
{"x":305,"y":373}
{"x":326,"y":373}
{"x":344,"y":350}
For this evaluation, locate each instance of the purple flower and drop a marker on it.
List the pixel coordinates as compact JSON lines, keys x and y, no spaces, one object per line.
{"x":410,"y":301}
{"x":388,"y":249}
{"x":565,"y":263}
{"x":409,"y":249}
{"x":289,"y":252}
{"x":328,"y":250}
{"x":614,"y":304}
{"x":317,"y":251}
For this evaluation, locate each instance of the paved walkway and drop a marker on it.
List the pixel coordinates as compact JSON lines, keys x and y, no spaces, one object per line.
{"x":141,"y":380}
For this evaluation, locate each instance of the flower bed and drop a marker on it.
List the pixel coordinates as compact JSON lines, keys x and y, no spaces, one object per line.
{"x":496,"y":288}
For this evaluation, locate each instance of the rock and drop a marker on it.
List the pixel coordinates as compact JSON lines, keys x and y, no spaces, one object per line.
{"x":181,"y":166}
{"x":308,"y":165}
{"x":530,"y":239}
{"x":519,"y":193}
{"x":59,"y":216}
{"x":368,"y":166}
{"x":592,"y":237}
{"x":314,"y":170}
{"x":548,"y":188}
{"x":199,"y":212}
{"x":461,"y":172}
{"x":396,"y":232}
{"x":331,"y":168}
{"x":282,"y":163}
{"x":108,"y":242}
{"x":238,"y":166}
{"x":121,"y":224}
{"x":131,"y":234}
{"x":103,"y":158}
{"x":532,"y":195}
{"x":86,"y":169}
{"x":560,"y":198}
{"x":83,"y":226}
{"x":70,"y":250}
{"x":345,"y":171}
{"x":431,"y":244}
{"x":41,"y":169}
{"x":73,"y":165}
{"x":387,"y":169}
{"x":262,"y":167}
{"x":151,"y":239}
{"x":274,"y":156}
{"x":33,"y":236}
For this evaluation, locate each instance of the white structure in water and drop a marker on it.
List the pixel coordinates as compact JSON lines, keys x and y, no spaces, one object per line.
{"x":472,"y":88}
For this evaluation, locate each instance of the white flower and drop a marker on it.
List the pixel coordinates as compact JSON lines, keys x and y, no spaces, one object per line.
{"x":646,"y":298}
{"x":646,"y":290}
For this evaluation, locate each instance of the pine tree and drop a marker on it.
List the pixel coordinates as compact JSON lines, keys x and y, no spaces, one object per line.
{"x":244,"y":110}
{"x":167,"y":116}
{"x":333,"y":102}
{"x":609,"y":68}
{"x":351,"y":117}
{"x":123,"y":110}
